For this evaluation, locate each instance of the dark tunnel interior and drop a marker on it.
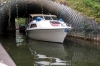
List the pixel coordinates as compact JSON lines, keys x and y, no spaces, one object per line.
{"x":21,"y":9}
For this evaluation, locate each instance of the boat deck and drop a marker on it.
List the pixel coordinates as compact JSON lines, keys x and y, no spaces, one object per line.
{"x":5,"y":59}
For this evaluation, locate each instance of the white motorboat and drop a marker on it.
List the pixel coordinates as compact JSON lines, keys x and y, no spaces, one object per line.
{"x":47,"y":28}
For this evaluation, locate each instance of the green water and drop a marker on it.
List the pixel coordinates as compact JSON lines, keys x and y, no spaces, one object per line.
{"x":24,"y":51}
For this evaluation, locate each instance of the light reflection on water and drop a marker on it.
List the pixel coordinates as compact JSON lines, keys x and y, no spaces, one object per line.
{"x":73,"y":52}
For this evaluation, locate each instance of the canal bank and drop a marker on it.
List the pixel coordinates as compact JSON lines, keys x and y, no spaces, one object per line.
{"x":90,"y":36}
{"x":5,"y":59}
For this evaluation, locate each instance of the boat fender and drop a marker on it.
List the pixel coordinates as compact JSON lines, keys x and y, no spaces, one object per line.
{"x":60,"y":19}
{"x":66,"y":30}
{"x":38,"y":19}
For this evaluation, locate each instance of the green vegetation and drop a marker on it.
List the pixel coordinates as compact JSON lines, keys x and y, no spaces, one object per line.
{"x":90,"y":8}
{"x":20,"y":21}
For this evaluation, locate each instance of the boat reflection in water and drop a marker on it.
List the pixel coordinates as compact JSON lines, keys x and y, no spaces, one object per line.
{"x":73,"y":52}
{"x":20,"y":39}
{"x":43,"y":60}
{"x":31,"y":52}
{"x":47,"y":54}
{"x":44,"y":53}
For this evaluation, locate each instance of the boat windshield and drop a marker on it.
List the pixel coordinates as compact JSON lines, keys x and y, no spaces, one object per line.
{"x":54,"y":18}
{"x":50,"y":18}
{"x":46,"y":17}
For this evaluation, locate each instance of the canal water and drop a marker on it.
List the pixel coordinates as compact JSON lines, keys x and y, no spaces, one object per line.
{"x":29,"y":52}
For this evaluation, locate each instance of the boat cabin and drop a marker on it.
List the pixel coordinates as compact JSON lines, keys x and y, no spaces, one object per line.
{"x":42,"y":16}
{"x":46,"y":20}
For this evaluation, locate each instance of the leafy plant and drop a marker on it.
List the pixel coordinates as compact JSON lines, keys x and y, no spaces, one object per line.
{"x":20,"y":21}
{"x":85,"y":27}
{"x":90,"y":8}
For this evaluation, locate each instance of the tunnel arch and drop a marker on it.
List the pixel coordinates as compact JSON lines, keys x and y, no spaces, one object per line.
{"x":17,"y":8}
{"x":22,"y":8}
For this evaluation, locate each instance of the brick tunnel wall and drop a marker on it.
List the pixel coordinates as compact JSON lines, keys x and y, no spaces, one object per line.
{"x":21,"y":8}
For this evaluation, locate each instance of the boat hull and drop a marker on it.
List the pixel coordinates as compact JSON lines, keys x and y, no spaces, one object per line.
{"x":52,"y":35}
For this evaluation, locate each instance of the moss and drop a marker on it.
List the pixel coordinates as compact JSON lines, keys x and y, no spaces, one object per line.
{"x":91,"y":8}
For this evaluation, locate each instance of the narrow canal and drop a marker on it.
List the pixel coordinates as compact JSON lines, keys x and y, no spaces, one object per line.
{"x":73,"y":52}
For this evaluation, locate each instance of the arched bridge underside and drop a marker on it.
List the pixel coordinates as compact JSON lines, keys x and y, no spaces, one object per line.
{"x":22,"y":8}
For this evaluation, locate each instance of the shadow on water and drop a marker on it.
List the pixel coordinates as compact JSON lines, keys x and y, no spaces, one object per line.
{"x":73,"y":52}
{"x":81,"y":52}
{"x":20,"y":54}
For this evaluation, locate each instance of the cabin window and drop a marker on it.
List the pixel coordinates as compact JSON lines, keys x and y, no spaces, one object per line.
{"x":47,"y":18}
{"x":54,"y":18}
{"x":33,"y":25}
{"x":50,"y":18}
